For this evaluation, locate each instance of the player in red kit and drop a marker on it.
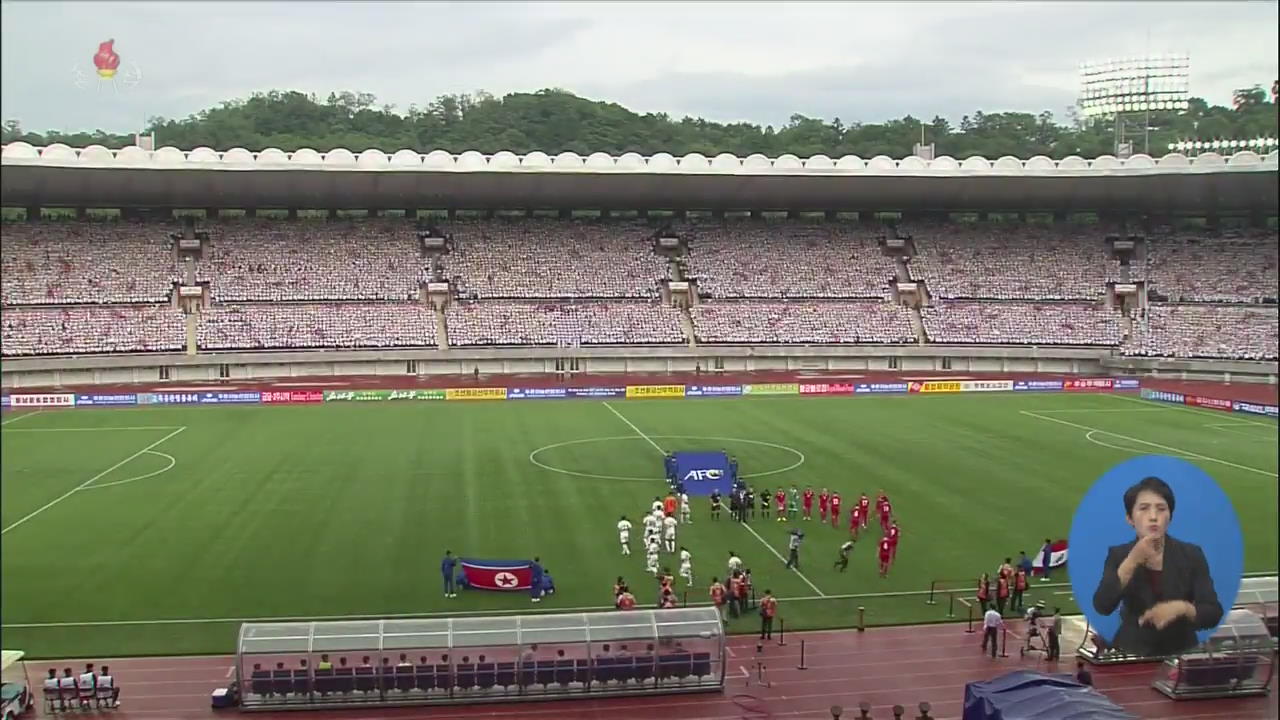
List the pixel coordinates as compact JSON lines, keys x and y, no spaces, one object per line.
{"x":886,"y":512}
{"x":835,"y":509}
{"x":780,"y":498}
{"x":892,"y":534}
{"x":864,"y":504}
{"x":808,"y":503}
{"x":823,"y":499}
{"x":853,"y":522}
{"x":886,"y":556}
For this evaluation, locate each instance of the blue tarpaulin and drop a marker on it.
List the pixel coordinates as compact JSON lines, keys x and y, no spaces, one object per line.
{"x":1025,"y":695}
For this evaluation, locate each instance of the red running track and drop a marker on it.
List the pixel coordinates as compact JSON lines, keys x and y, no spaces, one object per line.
{"x":883,"y":666}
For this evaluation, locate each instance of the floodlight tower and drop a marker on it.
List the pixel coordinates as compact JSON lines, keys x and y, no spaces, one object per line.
{"x":1127,"y":90}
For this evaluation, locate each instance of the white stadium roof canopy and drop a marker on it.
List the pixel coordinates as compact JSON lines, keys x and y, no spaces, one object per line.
{"x":58,"y":175}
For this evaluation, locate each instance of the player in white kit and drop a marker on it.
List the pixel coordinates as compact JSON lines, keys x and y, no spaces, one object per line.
{"x":657,"y":505}
{"x":686,"y":512}
{"x":686,"y":566}
{"x":651,"y":528}
{"x":624,"y":535}
{"x":669,"y":533}
{"x":651,"y":558}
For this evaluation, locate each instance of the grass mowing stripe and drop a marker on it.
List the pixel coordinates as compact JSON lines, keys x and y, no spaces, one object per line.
{"x":1169,"y":448}
{"x":88,"y":482}
{"x":522,"y":611}
{"x":745,"y":525}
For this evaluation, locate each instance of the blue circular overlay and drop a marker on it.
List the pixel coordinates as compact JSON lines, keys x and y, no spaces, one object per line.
{"x":1202,"y":515}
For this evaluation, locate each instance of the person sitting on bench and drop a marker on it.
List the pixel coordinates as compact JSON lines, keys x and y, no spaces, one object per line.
{"x":107,"y":689}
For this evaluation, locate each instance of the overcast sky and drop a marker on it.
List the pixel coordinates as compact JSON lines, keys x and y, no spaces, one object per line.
{"x":760,"y":62}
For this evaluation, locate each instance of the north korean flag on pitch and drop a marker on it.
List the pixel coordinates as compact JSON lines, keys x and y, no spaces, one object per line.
{"x":498,"y":574}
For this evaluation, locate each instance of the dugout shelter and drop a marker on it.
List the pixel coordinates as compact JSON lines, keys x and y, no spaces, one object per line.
{"x":370,"y":663}
{"x":1237,"y":660}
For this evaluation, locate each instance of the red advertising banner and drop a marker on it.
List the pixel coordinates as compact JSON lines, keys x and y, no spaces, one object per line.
{"x":292,"y":396}
{"x":1210,"y":403}
{"x":827,"y":389}
{"x":1086,"y":384}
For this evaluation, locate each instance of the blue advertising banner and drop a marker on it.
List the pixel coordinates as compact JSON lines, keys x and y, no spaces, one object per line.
{"x":173,"y":398}
{"x":863,"y":388}
{"x":1037,"y":385}
{"x":703,"y":472}
{"x":1163,"y":396}
{"x":4,"y":401}
{"x":120,"y":399}
{"x":597,"y":392}
{"x":219,"y":398}
{"x":1126,"y":384}
{"x":712,"y":390}
{"x":1255,"y":409}
{"x":535,"y":393}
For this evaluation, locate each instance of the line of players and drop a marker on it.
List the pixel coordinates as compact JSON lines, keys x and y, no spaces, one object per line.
{"x":742,"y":508}
{"x":660,"y":526}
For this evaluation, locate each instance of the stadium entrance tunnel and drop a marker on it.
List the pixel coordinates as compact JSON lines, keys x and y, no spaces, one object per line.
{"x":631,"y":458}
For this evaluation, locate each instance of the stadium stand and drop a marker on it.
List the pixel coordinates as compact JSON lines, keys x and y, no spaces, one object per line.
{"x":809,"y":322}
{"x":1207,"y":331}
{"x":1007,"y":261}
{"x":265,"y":260}
{"x":544,"y":258}
{"x":591,"y":323}
{"x":1022,"y":323}
{"x":90,"y":263}
{"x":1236,"y":268}
{"x":788,"y":260}
{"x":89,"y":330}
{"x":316,"y":325}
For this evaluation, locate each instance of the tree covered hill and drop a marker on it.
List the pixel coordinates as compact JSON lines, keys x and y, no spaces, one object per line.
{"x":555,"y":121}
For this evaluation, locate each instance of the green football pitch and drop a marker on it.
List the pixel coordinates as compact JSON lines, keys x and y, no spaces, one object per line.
{"x":157,"y":530}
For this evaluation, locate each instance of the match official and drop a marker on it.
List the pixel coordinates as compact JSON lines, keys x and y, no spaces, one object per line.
{"x":793,"y":547}
{"x":446,"y":568}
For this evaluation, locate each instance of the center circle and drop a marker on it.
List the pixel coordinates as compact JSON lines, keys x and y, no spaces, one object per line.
{"x":533,"y":456}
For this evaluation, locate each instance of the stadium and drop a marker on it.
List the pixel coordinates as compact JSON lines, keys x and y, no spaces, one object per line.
{"x":384,"y":433}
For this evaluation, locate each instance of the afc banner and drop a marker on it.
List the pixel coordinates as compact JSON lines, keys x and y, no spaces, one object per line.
{"x":497,"y":574}
{"x":704,"y":472}
{"x":1255,"y":409}
{"x":712,"y":390}
{"x":43,"y":400}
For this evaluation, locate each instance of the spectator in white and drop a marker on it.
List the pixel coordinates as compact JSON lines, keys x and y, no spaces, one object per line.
{"x":991,"y":624}
{"x":106,"y":681}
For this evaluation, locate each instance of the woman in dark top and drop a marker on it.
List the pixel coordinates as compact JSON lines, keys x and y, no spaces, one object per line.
{"x":1162,"y":585}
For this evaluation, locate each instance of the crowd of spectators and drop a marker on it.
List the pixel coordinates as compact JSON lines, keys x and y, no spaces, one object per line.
{"x":490,"y":322}
{"x":1022,"y":323}
{"x":540,"y":258}
{"x":86,"y":330}
{"x":1242,"y":332}
{"x":90,"y":263}
{"x":1008,"y":261}
{"x":311,"y":260}
{"x":801,"y":321}
{"x":758,"y":259}
{"x":270,"y":326}
{"x":1238,"y":267}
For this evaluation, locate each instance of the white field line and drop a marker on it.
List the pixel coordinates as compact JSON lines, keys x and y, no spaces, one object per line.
{"x":172,"y":461}
{"x":91,"y":429}
{"x":1106,"y":410}
{"x":23,"y":415}
{"x":750,"y":529}
{"x":1195,"y":410}
{"x":89,"y":482}
{"x":450,"y":613}
{"x":1168,"y":448}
